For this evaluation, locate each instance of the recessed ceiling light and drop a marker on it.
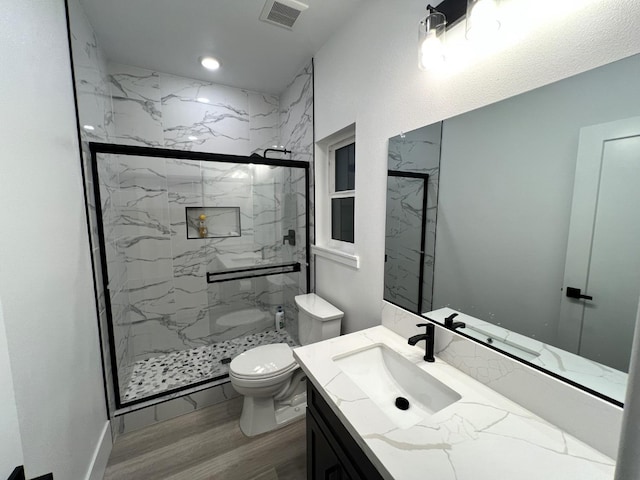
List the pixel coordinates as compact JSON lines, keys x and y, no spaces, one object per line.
{"x":202,"y":100}
{"x":89,"y":128}
{"x":192,"y":138}
{"x":210,"y":63}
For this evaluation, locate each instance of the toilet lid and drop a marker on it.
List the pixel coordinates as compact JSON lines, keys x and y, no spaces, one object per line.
{"x":264,"y":361}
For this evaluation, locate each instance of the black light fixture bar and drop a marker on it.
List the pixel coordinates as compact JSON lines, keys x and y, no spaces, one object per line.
{"x":453,"y":10}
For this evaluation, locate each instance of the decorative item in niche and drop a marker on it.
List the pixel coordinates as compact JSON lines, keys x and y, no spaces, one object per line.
{"x":213,"y":222}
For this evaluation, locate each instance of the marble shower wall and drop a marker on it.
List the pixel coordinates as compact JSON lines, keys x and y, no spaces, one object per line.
{"x":170,"y":306}
{"x":96,"y":116}
{"x":115,"y":242}
{"x":159,"y":110}
{"x":296,"y":134}
{"x":417,"y":151}
{"x":403,"y":241}
{"x":134,"y":106}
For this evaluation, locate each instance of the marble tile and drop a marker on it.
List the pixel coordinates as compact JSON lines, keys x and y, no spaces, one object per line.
{"x":403,"y":242}
{"x":147,"y":256}
{"x":192,"y":299}
{"x":90,"y":68}
{"x":218,"y":125}
{"x":296,"y":115}
{"x":165,"y":372}
{"x":416,"y":152}
{"x":296,"y":134}
{"x":264,"y":119}
{"x":137,"y":113}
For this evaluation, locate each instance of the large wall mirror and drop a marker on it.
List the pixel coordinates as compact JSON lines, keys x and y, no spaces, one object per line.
{"x":536,"y":241}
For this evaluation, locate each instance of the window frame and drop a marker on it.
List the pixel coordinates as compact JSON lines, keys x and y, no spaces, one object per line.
{"x":332,"y":194}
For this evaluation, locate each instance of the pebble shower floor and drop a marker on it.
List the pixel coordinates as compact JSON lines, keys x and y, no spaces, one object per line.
{"x":165,"y":372}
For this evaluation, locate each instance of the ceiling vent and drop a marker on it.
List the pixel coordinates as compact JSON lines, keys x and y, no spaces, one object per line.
{"x":283,"y":13}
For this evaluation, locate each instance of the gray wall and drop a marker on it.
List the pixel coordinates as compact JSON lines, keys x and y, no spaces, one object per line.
{"x":506,"y":184}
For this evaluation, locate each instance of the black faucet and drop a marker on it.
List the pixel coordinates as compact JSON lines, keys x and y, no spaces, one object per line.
{"x":428,"y":337}
{"x":449,"y":323}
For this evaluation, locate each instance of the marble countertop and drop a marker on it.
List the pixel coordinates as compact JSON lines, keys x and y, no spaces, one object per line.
{"x":591,"y":374}
{"x":481,"y":436}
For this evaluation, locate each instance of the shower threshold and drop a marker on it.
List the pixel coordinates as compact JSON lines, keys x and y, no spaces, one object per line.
{"x":185,"y":367}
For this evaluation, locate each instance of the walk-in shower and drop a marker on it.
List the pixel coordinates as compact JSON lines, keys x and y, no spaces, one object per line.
{"x":198,"y":252}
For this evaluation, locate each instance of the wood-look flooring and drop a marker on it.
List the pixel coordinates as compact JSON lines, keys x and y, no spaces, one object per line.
{"x":208,"y":444}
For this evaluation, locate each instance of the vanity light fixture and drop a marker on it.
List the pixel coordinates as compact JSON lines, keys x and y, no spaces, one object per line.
{"x":192,"y":137}
{"x":431,"y":35}
{"x":210,"y":63}
{"x":482,"y":19}
{"x":482,"y":23}
{"x":89,"y":128}
{"x":202,"y":100}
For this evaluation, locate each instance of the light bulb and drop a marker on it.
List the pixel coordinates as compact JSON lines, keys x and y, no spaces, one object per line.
{"x":431,"y":46}
{"x":482,"y":19}
{"x":210,"y":63}
{"x":431,"y":52}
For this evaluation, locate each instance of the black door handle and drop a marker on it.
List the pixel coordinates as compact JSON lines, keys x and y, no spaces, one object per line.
{"x":577,"y":293}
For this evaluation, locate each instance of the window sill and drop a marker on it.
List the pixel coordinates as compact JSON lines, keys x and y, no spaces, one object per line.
{"x":337,"y":256}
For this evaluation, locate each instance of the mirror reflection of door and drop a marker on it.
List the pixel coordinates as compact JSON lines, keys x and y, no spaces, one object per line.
{"x":603,"y":253}
{"x":405,"y":237}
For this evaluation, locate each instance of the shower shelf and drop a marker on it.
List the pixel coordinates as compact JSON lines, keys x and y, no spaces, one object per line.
{"x":252,"y":272}
{"x":221,"y":222}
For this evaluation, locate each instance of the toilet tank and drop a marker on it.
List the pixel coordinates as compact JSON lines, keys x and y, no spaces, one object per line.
{"x":317,"y":319}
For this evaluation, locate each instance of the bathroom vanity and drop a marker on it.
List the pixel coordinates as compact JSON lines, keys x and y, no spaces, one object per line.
{"x":455,"y":427}
{"x":332,"y":453}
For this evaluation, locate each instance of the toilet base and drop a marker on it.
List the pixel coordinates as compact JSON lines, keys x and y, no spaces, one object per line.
{"x":263,"y":414}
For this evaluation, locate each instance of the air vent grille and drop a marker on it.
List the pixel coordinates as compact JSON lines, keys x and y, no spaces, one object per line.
{"x":285,"y":16}
{"x":283,"y":13}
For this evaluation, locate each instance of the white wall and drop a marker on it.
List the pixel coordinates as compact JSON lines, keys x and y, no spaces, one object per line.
{"x":10,"y":443}
{"x":45,"y":272}
{"x":367,"y":74}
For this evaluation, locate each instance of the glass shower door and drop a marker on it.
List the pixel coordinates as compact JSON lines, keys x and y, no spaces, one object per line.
{"x":198,"y":255}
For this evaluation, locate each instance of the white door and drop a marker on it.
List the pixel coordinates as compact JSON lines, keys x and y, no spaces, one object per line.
{"x":603,"y":254}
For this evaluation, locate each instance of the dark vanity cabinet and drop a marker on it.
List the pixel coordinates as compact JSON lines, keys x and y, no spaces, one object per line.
{"x":332,"y":453}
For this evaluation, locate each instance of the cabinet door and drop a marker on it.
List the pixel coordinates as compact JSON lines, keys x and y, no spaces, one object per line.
{"x":322,"y":461}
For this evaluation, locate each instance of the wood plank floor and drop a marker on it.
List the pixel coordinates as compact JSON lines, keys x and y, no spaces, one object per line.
{"x":208,"y":444}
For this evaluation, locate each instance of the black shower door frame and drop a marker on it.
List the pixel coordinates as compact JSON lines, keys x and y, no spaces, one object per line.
{"x":97,"y":148}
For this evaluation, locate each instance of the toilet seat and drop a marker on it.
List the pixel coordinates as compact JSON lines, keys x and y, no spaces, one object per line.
{"x":266,"y":362}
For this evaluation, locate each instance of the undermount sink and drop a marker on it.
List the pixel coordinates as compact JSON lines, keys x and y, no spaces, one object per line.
{"x":384,"y":375}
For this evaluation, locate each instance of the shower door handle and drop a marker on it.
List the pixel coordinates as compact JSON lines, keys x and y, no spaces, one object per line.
{"x":290,"y":237}
{"x":577,"y":293}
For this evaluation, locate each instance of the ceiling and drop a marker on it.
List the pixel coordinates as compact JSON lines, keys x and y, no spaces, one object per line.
{"x":170,"y":36}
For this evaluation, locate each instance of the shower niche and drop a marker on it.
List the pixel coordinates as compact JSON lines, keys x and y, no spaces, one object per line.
{"x":181,"y":302}
{"x":212,"y":222}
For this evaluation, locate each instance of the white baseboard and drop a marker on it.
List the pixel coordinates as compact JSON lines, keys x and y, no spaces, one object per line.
{"x":100,"y":458}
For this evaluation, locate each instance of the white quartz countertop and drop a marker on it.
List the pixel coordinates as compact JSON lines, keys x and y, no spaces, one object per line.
{"x":481,"y":436}
{"x":594,"y":375}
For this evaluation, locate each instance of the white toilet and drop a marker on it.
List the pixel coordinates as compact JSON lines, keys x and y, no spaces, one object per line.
{"x":271,"y":381}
